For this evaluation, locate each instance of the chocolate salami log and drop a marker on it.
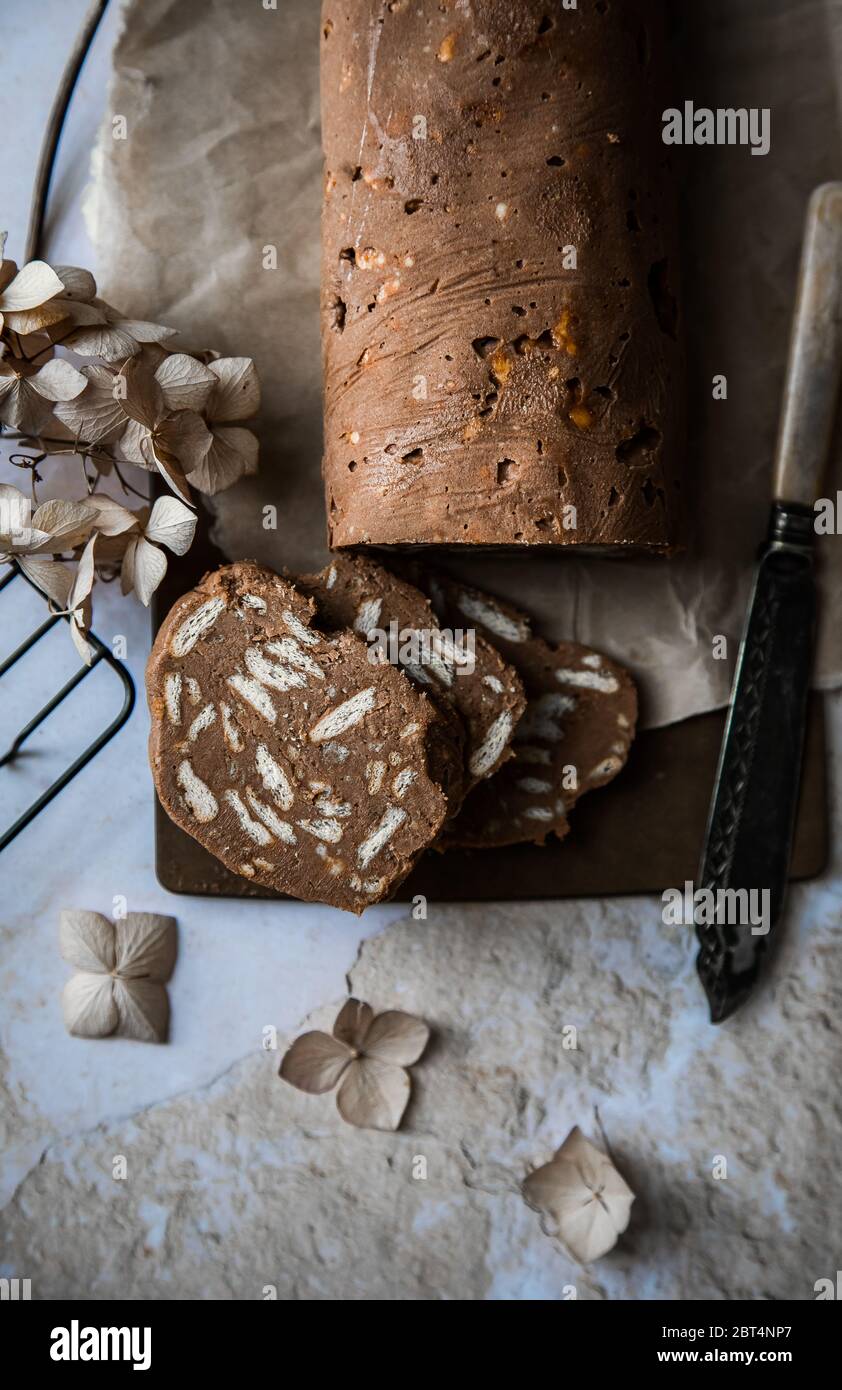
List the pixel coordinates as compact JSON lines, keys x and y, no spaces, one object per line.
{"x":501,"y":334}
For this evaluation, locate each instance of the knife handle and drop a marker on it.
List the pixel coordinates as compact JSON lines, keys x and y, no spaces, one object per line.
{"x":815,"y":355}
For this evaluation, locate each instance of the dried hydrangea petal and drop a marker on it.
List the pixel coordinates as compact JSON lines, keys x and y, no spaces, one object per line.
{"x":315,"y":1062}
{"x":89,"y":1007}
{"x":373,"y":1094}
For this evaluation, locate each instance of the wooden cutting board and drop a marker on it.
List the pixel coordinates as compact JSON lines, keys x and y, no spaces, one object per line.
{"x":641,"y":834}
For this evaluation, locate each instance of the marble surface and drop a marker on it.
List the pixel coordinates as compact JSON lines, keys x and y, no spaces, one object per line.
{"x":235,"y":1183}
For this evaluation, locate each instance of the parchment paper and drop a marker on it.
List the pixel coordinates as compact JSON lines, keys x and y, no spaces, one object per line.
{"x":223,"y":160}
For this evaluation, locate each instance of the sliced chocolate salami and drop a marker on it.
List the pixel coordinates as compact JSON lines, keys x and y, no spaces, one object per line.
{"x":285,"y":752}
{"x":455,"y":665}
{"x":575,"y":735}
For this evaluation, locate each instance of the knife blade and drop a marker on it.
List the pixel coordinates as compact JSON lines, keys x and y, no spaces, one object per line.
{"x":745,"y":860}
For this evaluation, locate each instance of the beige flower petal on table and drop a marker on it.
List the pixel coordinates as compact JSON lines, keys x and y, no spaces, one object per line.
{"x":89,"y":1007}
{"x":353,"y":1022}
{"x":396,"y":1037}
{"x":236,"y":394}
{"x":143,"y":1009}
{"x":146,"y":946}
{"x":373,"y":1091}
{"x":120,"y":987}
{"x":315,"y":1062}
{"x":582,"y":1192}
{"x":373,"y":1094}
{"x":86,"y":940}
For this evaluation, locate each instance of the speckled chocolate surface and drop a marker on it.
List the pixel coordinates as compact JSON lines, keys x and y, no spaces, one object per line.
{"x":285,"y":752}
{"x":575,"y":736}
{"x":501,"y":328}
{"x":466,"y":675}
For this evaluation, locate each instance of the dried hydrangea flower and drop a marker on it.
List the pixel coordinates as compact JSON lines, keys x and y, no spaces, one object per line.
{"x":164,"y":429}
{"x":139,"y":401}
{"x":366,"y":1057}
{"x":169,"y":523}
{"x":583,"y":1195}
{"x":122,"y":969}
{"x":233,"y":450}
{"x":120,"y":537}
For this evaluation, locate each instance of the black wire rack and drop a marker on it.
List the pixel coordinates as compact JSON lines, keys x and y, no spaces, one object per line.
{"x":101,"y":652}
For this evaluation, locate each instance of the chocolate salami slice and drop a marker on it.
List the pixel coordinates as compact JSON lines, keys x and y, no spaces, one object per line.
{"x":575,"y":735}
{"x":456,"y":666}
{"x":285,"y":752}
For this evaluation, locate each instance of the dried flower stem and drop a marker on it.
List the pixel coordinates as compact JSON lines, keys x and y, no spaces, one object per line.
{"x":127,"y":487}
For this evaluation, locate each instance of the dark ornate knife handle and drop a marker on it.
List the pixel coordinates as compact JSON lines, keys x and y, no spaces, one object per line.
{"x":752,"y":818}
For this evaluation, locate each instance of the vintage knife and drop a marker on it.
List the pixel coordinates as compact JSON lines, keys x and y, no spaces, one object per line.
{"x":752,"y":815}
